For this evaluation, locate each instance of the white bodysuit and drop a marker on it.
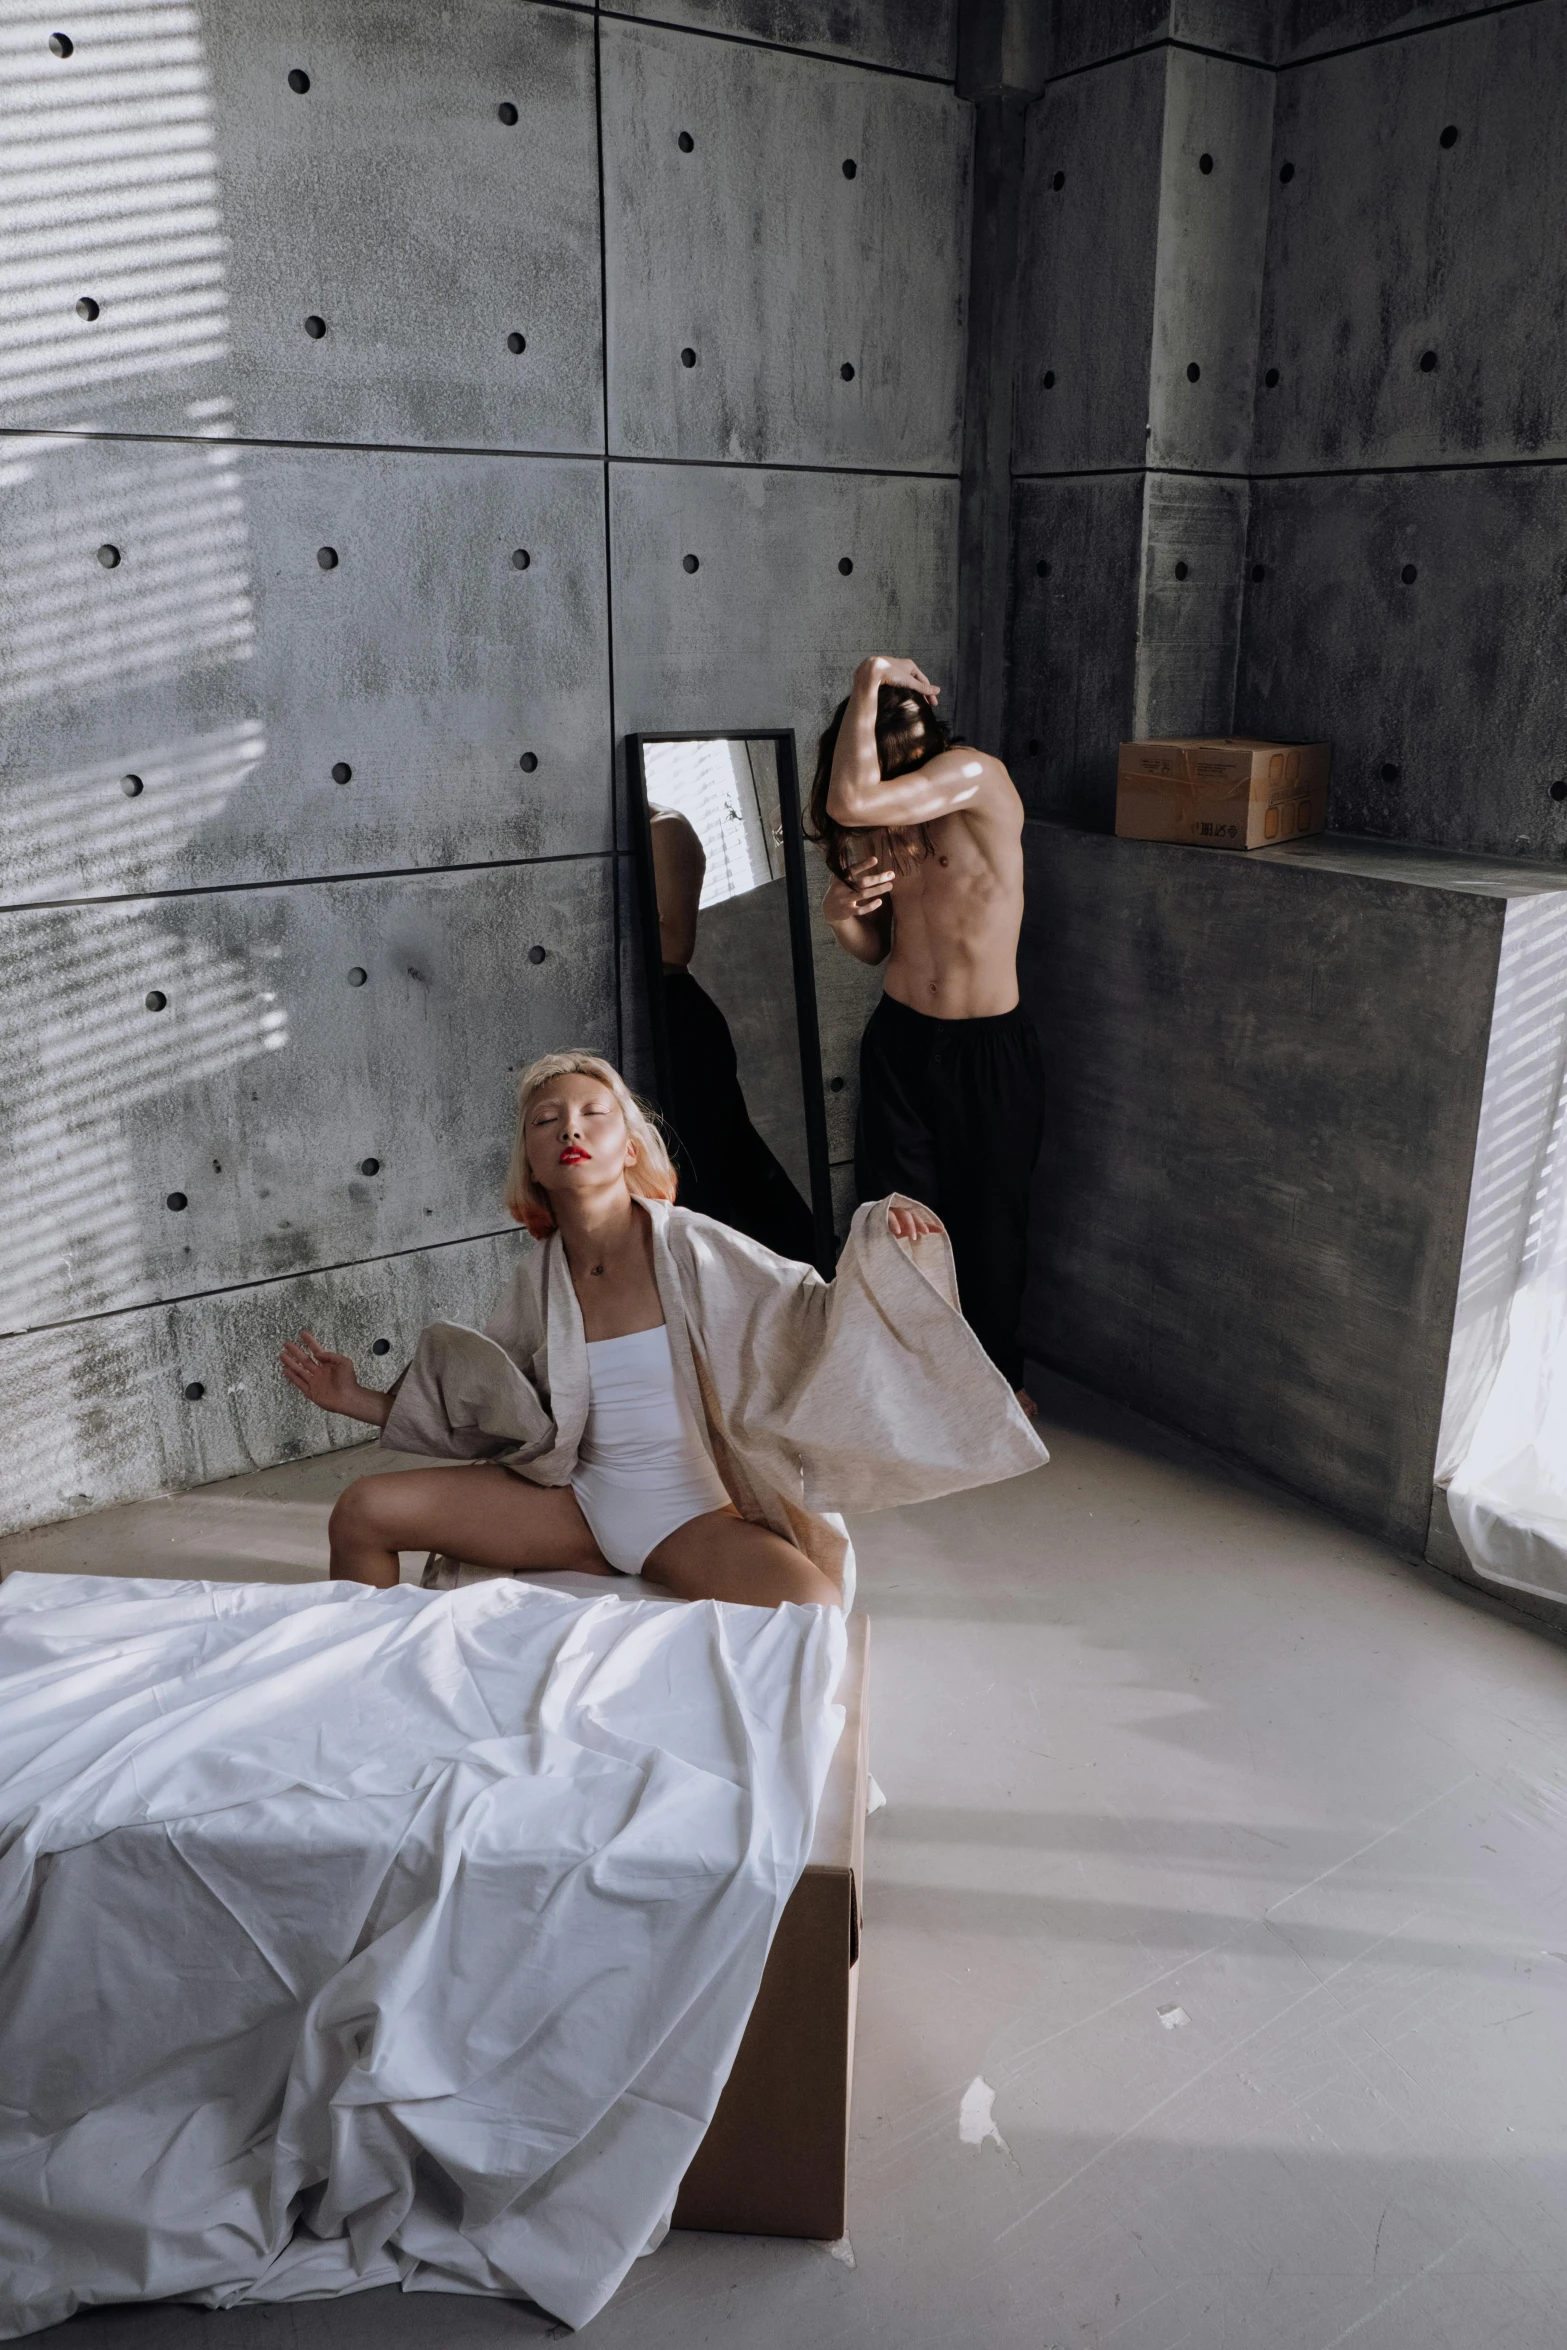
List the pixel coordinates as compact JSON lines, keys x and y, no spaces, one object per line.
{"x":642,"y":1469}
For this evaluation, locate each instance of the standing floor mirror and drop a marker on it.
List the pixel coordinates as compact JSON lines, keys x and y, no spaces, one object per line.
{"x":721,"y":878}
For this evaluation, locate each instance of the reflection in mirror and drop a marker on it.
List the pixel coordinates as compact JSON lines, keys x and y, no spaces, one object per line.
{"x":730,"y":1077}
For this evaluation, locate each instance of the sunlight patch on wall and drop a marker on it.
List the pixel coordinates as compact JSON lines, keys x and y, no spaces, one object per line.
{"x":109,"y":191}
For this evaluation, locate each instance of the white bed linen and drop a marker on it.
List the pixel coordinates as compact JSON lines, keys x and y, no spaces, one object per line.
{"x":354,"y":1938}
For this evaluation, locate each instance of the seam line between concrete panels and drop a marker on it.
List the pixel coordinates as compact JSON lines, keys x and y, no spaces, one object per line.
{"x":462,"y":449}
{"x":188,"y":1297}
{"x":702,"y":32}
{"x":1075,"y":73}
{"x":1414,"y":32}
{"x":1300,"y":472}
{"x":1411,"y":32}
{"x":216,"y":889}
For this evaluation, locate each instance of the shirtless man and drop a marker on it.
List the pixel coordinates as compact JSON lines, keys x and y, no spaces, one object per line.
{"x":925,"y":842}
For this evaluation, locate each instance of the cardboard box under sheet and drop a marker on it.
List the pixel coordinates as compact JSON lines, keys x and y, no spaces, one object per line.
{"x":775,"y":2161}
{"x":1221,"y":792}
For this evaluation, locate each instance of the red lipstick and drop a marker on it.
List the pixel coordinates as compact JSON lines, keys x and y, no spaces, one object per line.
{"x":573,"y":1155}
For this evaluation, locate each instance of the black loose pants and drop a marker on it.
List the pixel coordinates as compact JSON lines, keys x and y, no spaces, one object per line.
{"x":952,"y":1112}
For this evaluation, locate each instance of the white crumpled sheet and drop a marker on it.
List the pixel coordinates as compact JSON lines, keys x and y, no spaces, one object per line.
{"x":354,"y":1938}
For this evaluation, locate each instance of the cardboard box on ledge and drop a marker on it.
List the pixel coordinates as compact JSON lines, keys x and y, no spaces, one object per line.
{"x":1221,"y":792}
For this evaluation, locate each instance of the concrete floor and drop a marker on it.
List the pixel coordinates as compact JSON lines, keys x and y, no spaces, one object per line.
{"x":1226,"y":1849}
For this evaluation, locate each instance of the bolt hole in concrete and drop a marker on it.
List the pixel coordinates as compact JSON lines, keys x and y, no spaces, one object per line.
{"x":1042,"y":568}
{"x":1558,"y":790}
{"x":835,"y":1085}
{"x":1259,"y":571}
{"x":298,"y":81}
{"x":381,"y":1346}
{"x":342,"y":772}
{"x":87,"y":307}
{"x":1193,"y":372}
{"x":357,"y":977}
{"x":61,"y":45}
{"x":685,"y":142}
{"x":194,"y":1391}
{"x":108,"y":556}
{"x":315,"y":326}
{"x":1058,"y":181}
{"x":1389,"y":771}
{"x":845,"y":565}
{"x":536,"y":954}
{"x":1409,"y":575}
{"x":1428,"y":363}
{"x":1034,"y":747}
{"x":156,"y":1000}
{"x":369,"y":1166}
{"x":690,"y":563}
{"x":327,"y":558}
{"x":688,"y":357}
{"x":528,"y":762}
{"x":520,"y":558}
{"x":1286,"y":174}
{"x":506,"y":113}
{"x":132,"y":786}
{"x":850,"y":167}
{"x":1205,"y":164}
{"x":176,"y":1203}
{"x":516,"y":343}
{"x":1449,"y":137}
{"x":1271,"y":379}
{"x":1049,"y":379}
{"x":1180,"y":570}
{"x":847,"y":371}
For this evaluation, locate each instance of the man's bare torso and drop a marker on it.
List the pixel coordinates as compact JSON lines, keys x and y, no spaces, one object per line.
{"x":956,"y":916}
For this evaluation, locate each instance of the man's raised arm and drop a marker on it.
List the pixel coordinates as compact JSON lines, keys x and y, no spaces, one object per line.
{"x":859,"y":794}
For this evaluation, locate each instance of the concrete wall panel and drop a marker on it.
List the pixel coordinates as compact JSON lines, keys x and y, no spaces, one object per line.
{"x":1265,"y":1089}
{"x":1078,"y":555}
{"x":217,"y":1048}
{"x":1415,"y":306}
{"x":105,"y":1403}
{"x":223,"y":666}
{"x":167,"y":171}
{"x":767,"y":630}
{"x":1208,"y":274}
{"x":757,"y":255}
{"x":917,"y":36}
{"x":1188,"y":638}
{"x":1085,"y":328}
{"x":1442,"y":696}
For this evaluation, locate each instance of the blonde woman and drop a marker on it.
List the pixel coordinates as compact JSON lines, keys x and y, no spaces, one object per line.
{"x":657,"y":1394}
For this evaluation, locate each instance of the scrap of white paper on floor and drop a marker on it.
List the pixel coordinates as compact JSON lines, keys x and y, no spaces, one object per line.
{"x":355,"y":1939}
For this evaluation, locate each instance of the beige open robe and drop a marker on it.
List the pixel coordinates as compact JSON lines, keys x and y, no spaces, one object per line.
{"x":814,"y":1396}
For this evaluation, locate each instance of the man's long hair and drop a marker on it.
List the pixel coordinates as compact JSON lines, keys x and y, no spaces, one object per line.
{"x":908,"y":732}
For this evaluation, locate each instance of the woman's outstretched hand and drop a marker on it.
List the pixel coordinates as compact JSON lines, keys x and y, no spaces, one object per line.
{"x":329,"y":1380}
{"x":912,"y":1223}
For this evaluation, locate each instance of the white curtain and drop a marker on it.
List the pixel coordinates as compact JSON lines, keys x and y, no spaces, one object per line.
{"x":1502,"y":1452}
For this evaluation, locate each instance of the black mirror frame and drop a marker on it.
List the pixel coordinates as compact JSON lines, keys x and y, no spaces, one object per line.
{"x":798,"y":902}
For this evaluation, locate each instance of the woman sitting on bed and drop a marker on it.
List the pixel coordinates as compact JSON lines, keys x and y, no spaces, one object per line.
{"x":656,"y":1393}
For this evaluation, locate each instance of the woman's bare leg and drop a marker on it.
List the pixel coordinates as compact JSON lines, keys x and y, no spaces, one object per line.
{"x":482,"y":1514}
{"x":724,"y":1556}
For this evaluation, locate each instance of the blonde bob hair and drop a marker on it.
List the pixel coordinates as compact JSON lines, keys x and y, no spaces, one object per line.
{"x":651,"y":1174}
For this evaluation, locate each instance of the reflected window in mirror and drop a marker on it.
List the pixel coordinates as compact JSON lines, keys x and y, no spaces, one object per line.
{"x":728,"y":966}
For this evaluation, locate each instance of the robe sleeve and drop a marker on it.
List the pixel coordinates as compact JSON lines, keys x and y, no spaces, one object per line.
{"x":472,"y":1395}
{"x":863,"y":1392}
